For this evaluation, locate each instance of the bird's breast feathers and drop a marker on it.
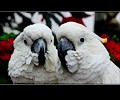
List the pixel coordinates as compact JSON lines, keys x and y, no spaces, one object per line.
{"x":82,"y":68}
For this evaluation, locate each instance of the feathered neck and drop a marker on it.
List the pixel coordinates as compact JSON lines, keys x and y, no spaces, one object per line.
{"x":91,"y":67}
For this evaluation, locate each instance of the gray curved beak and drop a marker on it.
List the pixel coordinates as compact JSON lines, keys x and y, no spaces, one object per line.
{"x":39,"y":46}
{"x":63,"y":46}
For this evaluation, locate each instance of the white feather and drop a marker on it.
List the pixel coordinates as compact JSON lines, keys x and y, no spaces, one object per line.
{"x":90,"y":63}
{"x":24,"y":64}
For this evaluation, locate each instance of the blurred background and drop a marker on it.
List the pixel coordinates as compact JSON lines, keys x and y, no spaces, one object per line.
{"x":104,"y":24}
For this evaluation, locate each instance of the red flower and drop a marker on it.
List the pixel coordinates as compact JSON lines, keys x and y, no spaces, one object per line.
{"x":117,"y":57}
{"x":74,"y":19}
{"x":105,"y":36}
{"x":110,"y":46}
{"x":114,"y":49}
{"x":117,"y":47}
{"x":6,"y":49}
{"x":5,"y":57}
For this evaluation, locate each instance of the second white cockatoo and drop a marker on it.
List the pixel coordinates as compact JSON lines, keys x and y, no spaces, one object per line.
{"x":35,"y":57}
{"x":84,"y":58}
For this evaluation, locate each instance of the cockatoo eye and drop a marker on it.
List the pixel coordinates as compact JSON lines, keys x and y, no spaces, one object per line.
{"x":51,"y":40}
{"x":81,"y":39}
{"x":25,"y":42}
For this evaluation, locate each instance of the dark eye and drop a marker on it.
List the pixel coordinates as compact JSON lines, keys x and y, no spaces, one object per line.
{"x":81,"y":39}
{"x":25,"y":42}
{"x":51,"y":40}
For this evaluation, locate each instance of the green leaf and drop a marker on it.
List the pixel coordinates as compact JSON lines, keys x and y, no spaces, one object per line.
{"x":111,"y":55}
{"x":5,"y":36}
{"x":115,"y":38}
{"x":60,"y":14}
{"x":47,"y":18}
{"x":12,"y":35}
{"x":55,"y":19}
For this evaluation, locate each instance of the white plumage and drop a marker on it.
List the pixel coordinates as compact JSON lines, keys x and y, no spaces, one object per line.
{"x":86,"y":60}
{"x":24,"y":65}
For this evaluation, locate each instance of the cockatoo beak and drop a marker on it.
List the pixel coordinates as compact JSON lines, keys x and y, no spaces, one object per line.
{"x":104,"y":40}
{"x":39,"y":47}
{"x":63,"y":46}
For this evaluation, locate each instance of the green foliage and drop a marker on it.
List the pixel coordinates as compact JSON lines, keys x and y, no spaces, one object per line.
{"x":6,"y":36}
{"x":115,"y":38}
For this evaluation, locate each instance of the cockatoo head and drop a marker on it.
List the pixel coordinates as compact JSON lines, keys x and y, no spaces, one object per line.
{"x":37,"y":38}
{"x":76,"y":37}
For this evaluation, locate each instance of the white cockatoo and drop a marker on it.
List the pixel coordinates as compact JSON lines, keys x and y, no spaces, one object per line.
{"x":34,"y":57}
{"x":84,"y":59}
